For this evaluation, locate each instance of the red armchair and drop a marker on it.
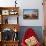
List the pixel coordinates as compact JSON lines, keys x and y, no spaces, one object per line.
{"x":28,"y":34}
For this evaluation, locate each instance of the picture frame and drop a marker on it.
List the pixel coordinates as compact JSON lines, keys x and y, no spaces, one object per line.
{"x":5,"y":12}
{"x":5,"y":19}
{"x":30,"y":14}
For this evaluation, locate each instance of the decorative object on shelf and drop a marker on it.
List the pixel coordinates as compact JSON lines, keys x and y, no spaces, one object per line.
{"x":13,"y":12}
{"x":7,"y":34}
{"x":5,"y":12}
{"x":15,"y":30}
{"x":15,"y":34}
{"x":15,"y":37}
{"x":6,"y":21}
{"x":30,"y":13}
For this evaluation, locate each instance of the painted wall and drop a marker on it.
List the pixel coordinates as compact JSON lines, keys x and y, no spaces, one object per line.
{"x":26,"y":4}
{"x":33,"y":4}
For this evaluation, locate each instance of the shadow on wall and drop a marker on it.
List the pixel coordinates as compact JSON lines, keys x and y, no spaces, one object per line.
{"x":37,"y":29}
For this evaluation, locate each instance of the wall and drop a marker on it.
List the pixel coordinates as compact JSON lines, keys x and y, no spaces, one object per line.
{"x":33,"y":4}
{"x":26,"y":4}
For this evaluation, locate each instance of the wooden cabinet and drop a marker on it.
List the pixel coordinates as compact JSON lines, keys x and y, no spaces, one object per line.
{"x":9,"y":15}
{"x":9,"y":26}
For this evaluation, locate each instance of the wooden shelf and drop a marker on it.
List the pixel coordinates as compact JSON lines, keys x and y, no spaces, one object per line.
{"x":4,"y":13}
{"x":11,"y":26}
{"x":9,"y":43}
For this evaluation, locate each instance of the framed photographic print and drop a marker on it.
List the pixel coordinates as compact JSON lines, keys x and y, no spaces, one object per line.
{"x":5,"y":12}
{"x":30,"y":14}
